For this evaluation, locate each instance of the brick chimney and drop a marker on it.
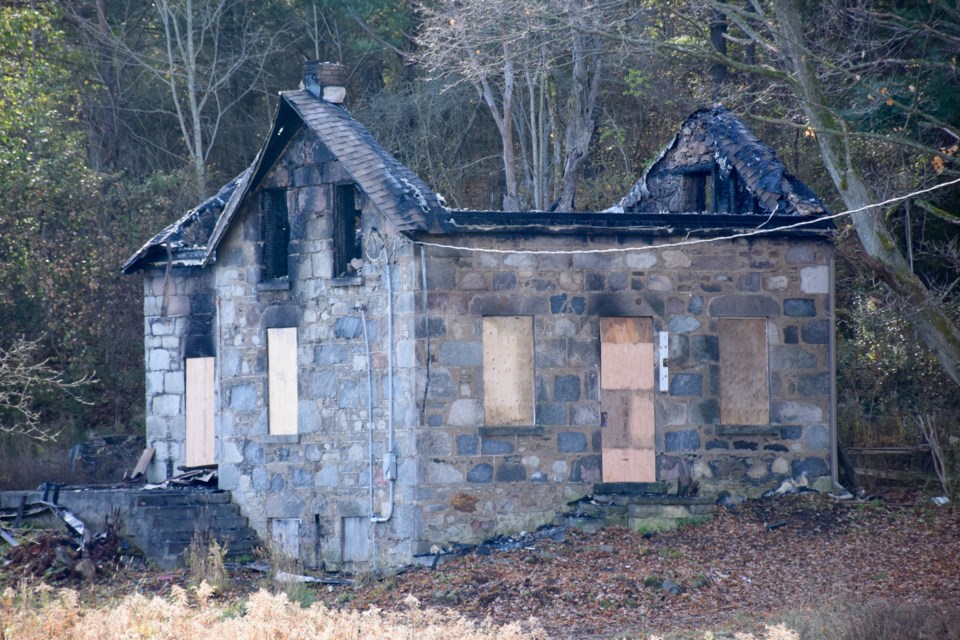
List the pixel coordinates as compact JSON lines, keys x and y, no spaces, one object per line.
{"x":325,"y":80}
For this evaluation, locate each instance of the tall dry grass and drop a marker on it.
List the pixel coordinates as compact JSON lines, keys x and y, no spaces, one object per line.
{"x":45,"y":614}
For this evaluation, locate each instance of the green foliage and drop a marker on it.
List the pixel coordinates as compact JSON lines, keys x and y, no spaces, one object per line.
{"x":66,"y":229}
{"x":884,"y":374}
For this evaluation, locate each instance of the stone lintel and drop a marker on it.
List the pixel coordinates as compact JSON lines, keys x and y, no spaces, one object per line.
{"x":631,"y":488}
{"x":748,"y":430}
{"x":508,"y":431}
{"x":351,"y":281}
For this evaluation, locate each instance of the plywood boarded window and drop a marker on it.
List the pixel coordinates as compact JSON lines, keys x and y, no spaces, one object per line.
{"x":200,"y":440}
{"x":744,"y":394}
{"x":508,"y":370}
{"x":282,"y":380}
{"x":276,"y":233}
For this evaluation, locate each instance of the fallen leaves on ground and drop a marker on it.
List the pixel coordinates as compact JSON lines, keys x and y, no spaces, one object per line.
{"x":735,"y":572}
{"x":822,"y":552}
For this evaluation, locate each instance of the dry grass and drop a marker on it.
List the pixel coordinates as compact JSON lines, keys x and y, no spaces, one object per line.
{"x":46,"y":614}
{"x":877,"y":620}
{"x":205,"y":560}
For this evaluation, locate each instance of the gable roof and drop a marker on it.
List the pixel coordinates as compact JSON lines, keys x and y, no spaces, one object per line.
{"x":412,"y":207}
{"x":408,"y":203}
{"x":184,"y":242}
{"x":405,"y":200}
{"x":733,"y":144}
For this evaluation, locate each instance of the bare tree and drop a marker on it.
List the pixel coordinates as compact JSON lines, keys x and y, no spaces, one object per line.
{"x":537,"y":66}
{"x":207,"y":55}
{"x":918,"y":306}
{"x":846,"y":67}
{"x":22,"y":378}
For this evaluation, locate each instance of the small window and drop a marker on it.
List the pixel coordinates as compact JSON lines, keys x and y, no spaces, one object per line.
{"x":282,"y":380}
{"x":508,"y":370}
{"x":346,"y":232}
{"x":697,"y":192}
{"x":275,"y":234}
{"x":744,"y":395}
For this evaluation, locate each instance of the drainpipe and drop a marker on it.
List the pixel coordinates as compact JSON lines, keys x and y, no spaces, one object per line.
{"x":390,"y":457}
{"x":366,"y":341}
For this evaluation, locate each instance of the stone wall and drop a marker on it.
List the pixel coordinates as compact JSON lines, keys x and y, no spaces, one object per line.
{"x":178,"y":309}
{"x":316,"y":484}
{"x":479,"y":480}
{"x":458,"y":479}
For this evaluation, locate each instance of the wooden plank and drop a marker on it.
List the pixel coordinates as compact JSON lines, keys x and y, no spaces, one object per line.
{"x":888,"y":451}
{"x":629,"y":465}
{"x":624,"y":344}
{"x":629,"y":418}
{"x":891,"y":474}
{"x":142,"y":463}
{"x":508,"y":370}
{"x":282,"y":394}
{"x":200,"y":437}
{"x":744,"y":393}
{"x":626,"y":400}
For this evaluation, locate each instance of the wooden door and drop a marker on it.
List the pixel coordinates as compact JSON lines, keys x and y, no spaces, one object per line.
{"x":200,"y":444}
{"x":626,"y":399}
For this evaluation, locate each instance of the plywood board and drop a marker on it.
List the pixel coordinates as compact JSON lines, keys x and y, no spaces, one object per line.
{"x":356,"y":540}
{"x":508,"y":370}
{"x":629,"y":465}
{"x":200,"y":438}
{"x":626,"y":399}
{"x":625,"y":343}
{"x":282,"y":380}
{"x":744,"y":392}
{"x":628,"y":418}
{"x":285,"y":537}
{"x":143,"y":462}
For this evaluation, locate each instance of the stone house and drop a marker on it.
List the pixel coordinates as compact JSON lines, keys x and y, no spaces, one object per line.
{"x":377,"y":375}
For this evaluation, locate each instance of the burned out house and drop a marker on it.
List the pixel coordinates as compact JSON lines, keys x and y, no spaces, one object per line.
{"x":378,"y":376}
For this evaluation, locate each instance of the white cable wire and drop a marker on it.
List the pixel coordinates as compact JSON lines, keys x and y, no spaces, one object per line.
{"x":745,"y":234}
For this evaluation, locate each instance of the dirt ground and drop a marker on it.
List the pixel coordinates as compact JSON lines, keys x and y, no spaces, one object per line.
{"x":752,"y":563}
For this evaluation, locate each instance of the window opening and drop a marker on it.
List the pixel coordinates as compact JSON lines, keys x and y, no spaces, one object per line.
{"x":282,"y":380}
{"x":275,"y":234}
{"x":347,"y":240}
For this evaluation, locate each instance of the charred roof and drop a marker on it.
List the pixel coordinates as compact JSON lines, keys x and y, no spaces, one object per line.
{"x":716,"y":165}
{"x":715,"y":174}
{"x":184,"y":242}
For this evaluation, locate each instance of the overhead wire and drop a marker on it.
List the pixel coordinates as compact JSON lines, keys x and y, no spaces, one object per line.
{"x":760,"y":230}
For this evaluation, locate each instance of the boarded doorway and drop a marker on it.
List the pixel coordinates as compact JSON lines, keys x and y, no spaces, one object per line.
{"x":201,"y":442}
{"x":626,"y":399}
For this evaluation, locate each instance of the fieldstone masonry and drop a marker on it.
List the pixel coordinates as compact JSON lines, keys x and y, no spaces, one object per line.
{"x":457,"y":479}
{"x":520,"y":475}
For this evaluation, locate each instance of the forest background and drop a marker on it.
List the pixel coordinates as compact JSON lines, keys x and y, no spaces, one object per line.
{"x":120,"y":115}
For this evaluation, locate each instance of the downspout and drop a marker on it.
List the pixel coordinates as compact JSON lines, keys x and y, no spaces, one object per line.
{"x":389,"y":458}
{"x":366,"y":342}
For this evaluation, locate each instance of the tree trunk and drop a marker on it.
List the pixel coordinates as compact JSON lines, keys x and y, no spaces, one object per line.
{"x":580,"y":128}
{"x":916,"y":304}
{"x":718,"y":31}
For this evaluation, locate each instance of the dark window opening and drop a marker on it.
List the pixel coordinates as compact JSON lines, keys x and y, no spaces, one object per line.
{"x":697,"y":192}
{"x":347,"y":245}
{"x":275,"y":234}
